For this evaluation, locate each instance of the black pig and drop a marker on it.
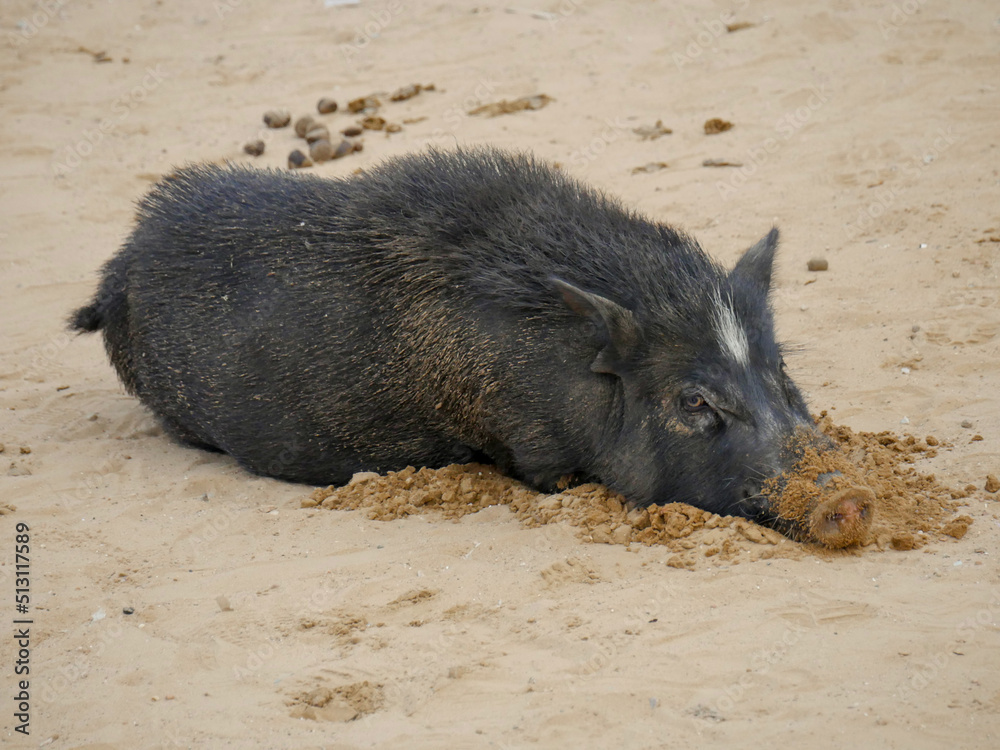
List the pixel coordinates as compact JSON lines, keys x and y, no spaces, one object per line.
{"x":447,"y":307}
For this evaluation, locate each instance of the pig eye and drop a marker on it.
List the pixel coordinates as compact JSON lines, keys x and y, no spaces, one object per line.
{"x":694,"y":402}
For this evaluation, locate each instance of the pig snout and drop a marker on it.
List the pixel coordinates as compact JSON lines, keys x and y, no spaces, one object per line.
{"x":844,"y":519}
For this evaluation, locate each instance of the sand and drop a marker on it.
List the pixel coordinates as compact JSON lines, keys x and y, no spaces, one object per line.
{"x":866,"y":132}
{"x":865,"y":474}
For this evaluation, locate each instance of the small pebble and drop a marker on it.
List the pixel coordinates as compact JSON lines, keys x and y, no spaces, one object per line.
{"x":343,"y":149}
{"x":298,"y":160}
{"x":393,"y":127}
{"x":817,"y":264}
{"x":931,"y":440}
{"x":966,"y":423}
{"x":326,"y":106}
{"x":317,"y":133}
{"x":223,"y":603}
{"x":352,"y":131}
{"x":359,"y":146}
{"x":277,"y":118}
{"x":915,"y":328}
{"x":904,"y":420}
{"x":128,"y":611}
{"x":905,"y":370}
{"x":992,"y":483}
{"x":303,"y":125}
{"x":254,"y":148}
{"x":321,"y":150}
{"x":25,"y":450}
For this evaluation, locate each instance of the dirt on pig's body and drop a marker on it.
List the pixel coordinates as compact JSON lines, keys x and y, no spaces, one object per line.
{"x":903,"y":508}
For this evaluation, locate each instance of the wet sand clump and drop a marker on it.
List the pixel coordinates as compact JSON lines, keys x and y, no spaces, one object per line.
{"x":903,"y":508}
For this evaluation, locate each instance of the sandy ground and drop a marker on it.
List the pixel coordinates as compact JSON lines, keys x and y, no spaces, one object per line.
{"x":867,"y":131}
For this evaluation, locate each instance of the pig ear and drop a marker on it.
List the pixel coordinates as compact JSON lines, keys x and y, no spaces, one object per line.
{"x":756,"y":264}
{"x":616,"y":326}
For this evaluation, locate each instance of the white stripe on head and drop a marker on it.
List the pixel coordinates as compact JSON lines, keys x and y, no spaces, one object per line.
{"x":732,"y":337}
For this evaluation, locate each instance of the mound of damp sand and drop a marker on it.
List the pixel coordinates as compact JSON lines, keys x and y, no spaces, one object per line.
{"x":905,"y":508}
{"x":908,"y":509}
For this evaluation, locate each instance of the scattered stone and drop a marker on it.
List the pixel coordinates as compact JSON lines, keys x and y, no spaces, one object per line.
{"x":652,"y":132}
{"x":932,"y":441}
{"x":717,"y":125}
{"x":817,"y":264}
{"x":277,"y":118}
{"x":128,"y":611}
{"x":393,"y":127}
{"x":223,"y":603}
{"x":25,"y":450}
{"x":992,"y":483}
{"x":317,"y":133}
{"x":352,"y":131}
{"x":254,"y":148}
{"x":975,"y":438}
{"x":721,"y":163}
{"x":303,"y":125}
{"x":966,"y":423}
{"x":739,"y":26}
{"x":326,"y":106}
{"x":344,"y":148}
{"x":298,"y":160}
{"x":321,"y":150}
